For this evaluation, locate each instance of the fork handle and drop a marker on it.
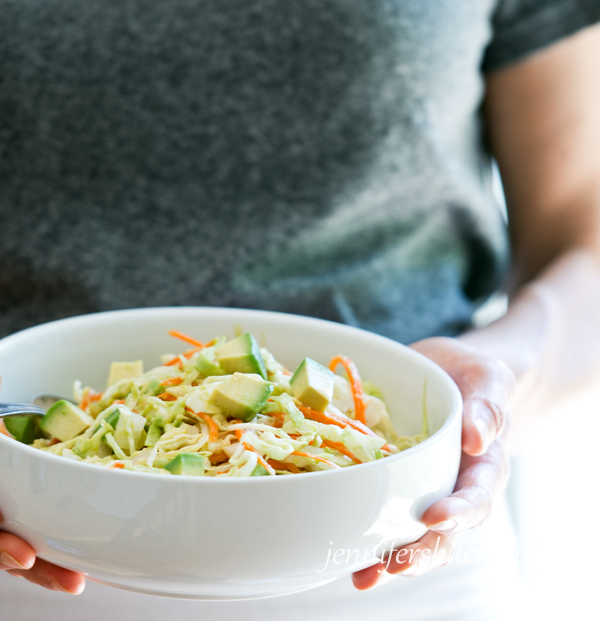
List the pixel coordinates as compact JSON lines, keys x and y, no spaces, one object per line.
{"x":20,"y":409}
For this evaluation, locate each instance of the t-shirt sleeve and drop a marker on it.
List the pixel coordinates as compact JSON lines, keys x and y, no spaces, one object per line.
{"x":521,"y":27}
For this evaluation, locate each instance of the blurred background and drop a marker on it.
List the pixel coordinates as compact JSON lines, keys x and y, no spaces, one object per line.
{"x":553,"y":497}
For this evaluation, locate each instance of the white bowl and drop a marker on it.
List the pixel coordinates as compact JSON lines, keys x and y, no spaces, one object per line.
{"x":206,"y":538}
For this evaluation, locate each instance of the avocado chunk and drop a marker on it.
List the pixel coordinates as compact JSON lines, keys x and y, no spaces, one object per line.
{"x":312,"y":383}
{"x":65,"y":421}
{"x":189,"y":464}
{"x":22,"y":428}
{"x":208,"y":364}
{"x":259,"y":471}
{"x":124,"y":370}
{"x":242,"y":395}
{"x":242,"y":355}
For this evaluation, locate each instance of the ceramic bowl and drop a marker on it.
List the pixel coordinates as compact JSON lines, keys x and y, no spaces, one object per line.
{"x":207,"y":538}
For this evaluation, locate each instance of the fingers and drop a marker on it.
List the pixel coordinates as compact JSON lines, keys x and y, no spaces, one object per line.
{"x":368,"y":577}
{"x":431,"y":551}
{"x":52,"y":577}
{"x":15,"y":553}
{"x":480,"y":480}
{"x":18,"y":558}
{"x":485,"y":384}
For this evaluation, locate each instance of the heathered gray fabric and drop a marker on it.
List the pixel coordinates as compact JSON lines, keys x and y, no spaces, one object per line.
{"x":524,"y":26}
{"x":321,"y":157}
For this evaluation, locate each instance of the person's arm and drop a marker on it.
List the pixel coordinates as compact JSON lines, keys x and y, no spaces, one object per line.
{"x":544,"y":130}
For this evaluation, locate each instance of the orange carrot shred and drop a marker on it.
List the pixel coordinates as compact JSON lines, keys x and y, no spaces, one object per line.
{"x":212,"y":426}
{"x":116,"y":464}
{"x":167,"y":396}
{"x":355,"y":383}
{"x":332,"y":419}
{"x":218,"y":458}
{"x":172,"y":381}
{"x":184,"y":337}
{"x":118,"y":402}
{"x":90,"y":397}
{"x":174,"y":362}
{"x":4,"y":430}
{"x":311,"y":456}
{"x":282,"y":465}
{"x":340,"y":448}
{"x":261,"y":460}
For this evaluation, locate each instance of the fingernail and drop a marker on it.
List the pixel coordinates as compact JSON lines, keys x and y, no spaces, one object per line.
{"x":8,"y":561}
{"x":444,"y":527}
{"x":484,"y":431}
{"x":411,"y":571}
{"x":59,"y":587}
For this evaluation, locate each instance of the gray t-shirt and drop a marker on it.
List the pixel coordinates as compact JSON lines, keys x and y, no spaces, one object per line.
{"x":322,"y":157}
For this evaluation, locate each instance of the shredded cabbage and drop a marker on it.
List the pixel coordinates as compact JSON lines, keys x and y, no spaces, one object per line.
{"x":142,"y":423}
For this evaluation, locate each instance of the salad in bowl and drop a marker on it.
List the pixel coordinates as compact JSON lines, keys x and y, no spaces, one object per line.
{"x":224,"y":409}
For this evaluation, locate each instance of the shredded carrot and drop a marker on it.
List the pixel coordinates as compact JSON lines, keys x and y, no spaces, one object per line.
{"x":118,"y":402}
{"x":186,"y":338}
{"x":4,"y":430}
{"x":212,"y":426}
{"x":172,"y":381}
{"x":116,"y":464}
{"x":311,"y":456}
{"x":280,"y":417}
{"x":218,"y":458}
{"x":355,"y":383}
{"x":340,"y":448}
{"x":332,"y":419}
{"x":89,"y":397}
{"x":281,"y":465}
{"x":239,"y":433}
{"x":167,"y":396}
{"x":176,"y":362}
{"x":261,"y":460}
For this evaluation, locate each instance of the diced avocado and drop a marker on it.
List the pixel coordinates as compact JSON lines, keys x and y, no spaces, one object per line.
{"x":242,"y":355}
{"x":208,"y":364}
{"x":189,"y":464}
{"x":22,"y":428}
{"x":312,"y":383}
{"x":65,"y":421}
{"x":124,"y":370}
{"x":242,"y":395}
{"x":259,"y":471}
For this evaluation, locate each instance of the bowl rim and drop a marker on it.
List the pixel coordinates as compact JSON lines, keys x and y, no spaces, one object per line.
{"x":102,"y":316}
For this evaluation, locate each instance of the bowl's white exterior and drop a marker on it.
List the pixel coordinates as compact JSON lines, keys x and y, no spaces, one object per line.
{"x":208,"y":538}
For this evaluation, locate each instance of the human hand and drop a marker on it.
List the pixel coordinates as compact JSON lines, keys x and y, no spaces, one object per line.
{"x":18,"y":558}
{"x":485,"y":384}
